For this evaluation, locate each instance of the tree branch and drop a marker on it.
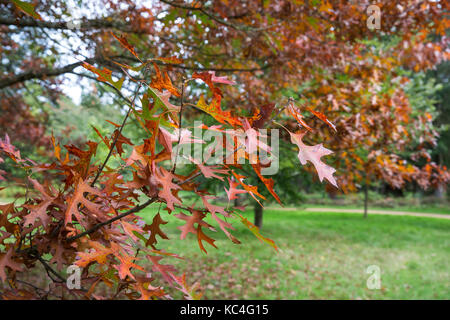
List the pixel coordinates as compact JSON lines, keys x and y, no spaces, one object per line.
{"x":131,"y":107}
{"x":202,"y":10}
{"x":62,"y":25}
{"x":108,"y":222}
{"x":41,"y":74}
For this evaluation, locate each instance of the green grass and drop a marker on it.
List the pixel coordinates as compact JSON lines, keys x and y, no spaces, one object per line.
{"x":321,"y":256}
{"x":421,"y":209}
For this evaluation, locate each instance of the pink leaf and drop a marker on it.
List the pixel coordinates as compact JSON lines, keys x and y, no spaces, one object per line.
{"x":313,"y":154}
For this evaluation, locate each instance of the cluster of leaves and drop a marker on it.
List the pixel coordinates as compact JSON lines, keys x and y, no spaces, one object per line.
{"x":91,"y":220}
{"x":321,"y":51}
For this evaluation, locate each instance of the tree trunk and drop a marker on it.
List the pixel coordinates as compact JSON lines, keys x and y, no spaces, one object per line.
{"x":237,"y":202}
{"x":258,"y":215}
{"x":440,"y":190}
{"x":366,"y":199}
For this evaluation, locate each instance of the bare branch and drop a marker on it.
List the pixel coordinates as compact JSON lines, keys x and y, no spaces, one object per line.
{"x":40,"y":74}
{"x":62,"y":25}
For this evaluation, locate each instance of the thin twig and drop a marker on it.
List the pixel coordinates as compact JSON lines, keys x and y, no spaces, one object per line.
{"x":111,"y":149}
{"x":108,"y":222}
{"x":190,"y":178}
{"x":180,"y":125}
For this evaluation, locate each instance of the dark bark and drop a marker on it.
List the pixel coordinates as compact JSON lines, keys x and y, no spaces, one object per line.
{"x":440,"y":188}
{"x":53,"y":72}
{"x":62,"y":25}
{"x":237,"y":201}
{"x":40,"y":74}
{"x":258,"y":215}
{"x":366,"y":199}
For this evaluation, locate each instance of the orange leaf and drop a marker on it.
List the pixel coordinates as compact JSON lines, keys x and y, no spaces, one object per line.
{"x":269,"y":183}
{"x":124,"y":42}
{"x":322,"y":117}
{"x":203,"y":237}
{"x":162,"y":82}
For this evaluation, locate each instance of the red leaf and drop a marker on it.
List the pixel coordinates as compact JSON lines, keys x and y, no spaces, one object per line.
{"x":7,"y":261}
{"x":233,"y":190}
{"x":155,"y":230}
{"x":165,"y":179}
{"x":196,"y":217}
{"x":39,"y":211}
{"x":79,"y":199}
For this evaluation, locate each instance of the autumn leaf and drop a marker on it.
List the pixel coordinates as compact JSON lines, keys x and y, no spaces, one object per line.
{"x":7,"y":209}
{"x":268,"y":182}
{"x":255,"y":230}
{"x":214,"y":110}
{"x":325,"y":6}
{"x":203,"y":237}
{"x":104,"y":75}
{"x":213,"y":208}
{"x":120,"y":140}
{"x":78,"y":199}
{"x":189,"y":291}
{"x":209,"y":171}
{"x":164,"y":269}
{"x":313,"y":154}
{"x":130,"y":229}
{"x":322,"y":117}
{"x":162,"y":82}
{"x":233,"y":191}
{"x":196,"y":217}
{"x":225,"y":226}
{"x":9,"y":149}
{"x":39,"y":211}
{"x":97,"y":253}
{"x":155,"y":230}
{"x":124,"y":42}
{"x":224,"y":80}
{"x":161,"y":100}
{"x":169,"y":60}
{"x":6,"y":261}
{"x":295,"y":112}
{"x":124,"y":268}
{"x":165,"y":179}
{"x":146,"y":290}
{"x":252,"y":190}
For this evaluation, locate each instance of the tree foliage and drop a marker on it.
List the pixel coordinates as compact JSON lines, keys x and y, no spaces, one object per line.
{"x":227,"y":62}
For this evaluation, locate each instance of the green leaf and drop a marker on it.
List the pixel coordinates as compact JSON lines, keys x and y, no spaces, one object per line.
{"x":255,"y":230}
{"x":27,"y":8}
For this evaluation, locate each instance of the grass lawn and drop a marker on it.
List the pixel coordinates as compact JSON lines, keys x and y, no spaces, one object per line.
{"x":321,"y":256}
{"x":421,"y":209}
